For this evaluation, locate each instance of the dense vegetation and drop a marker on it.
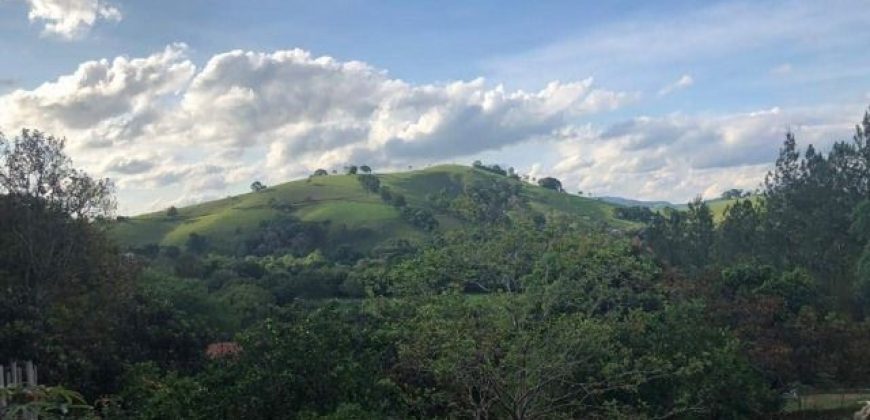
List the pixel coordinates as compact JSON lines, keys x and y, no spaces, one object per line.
{"x":506,"y":302}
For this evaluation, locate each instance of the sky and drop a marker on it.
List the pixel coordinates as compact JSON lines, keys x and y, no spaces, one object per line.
{"x":184,"y":101}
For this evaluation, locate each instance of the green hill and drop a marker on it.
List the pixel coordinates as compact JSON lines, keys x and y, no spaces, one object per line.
{"x":718,"y":206}
{"x":351,"y":215}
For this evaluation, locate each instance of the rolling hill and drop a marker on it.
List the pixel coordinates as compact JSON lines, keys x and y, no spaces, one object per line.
{"x":352,"y":215}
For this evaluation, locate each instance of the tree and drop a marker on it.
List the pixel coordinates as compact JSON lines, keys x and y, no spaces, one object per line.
{"x":34,"y":167}
{"x":386,"y":194}
{"x":63,"y":281}
{"x":365,"y":169}
{"x":700,"y":232}
{"x":351,"y":170}
{"x":320,"y":172}
{"x":172,"y":211}
{"x":738,"y":235}
{"x":197,"y":243}
{"x":257,"y":186}
{"x":635,"y":213}
{"x":734,"y":193}
{"x":550,"y":183}
{"x":369,"y":182}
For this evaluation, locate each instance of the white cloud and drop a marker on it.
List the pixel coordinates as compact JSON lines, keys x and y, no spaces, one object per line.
{"x":71,"y":19}
{"x":157,"y":121}
{"x":677,"y":157}
{"x":103,"y":102}
{"x":682,"y":83}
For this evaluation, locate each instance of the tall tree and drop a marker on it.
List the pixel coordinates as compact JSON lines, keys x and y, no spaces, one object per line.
{"x":700,"y":231}
{"x":738,"y":234}
{"x":63,"y":282}
{"x":34,"y":169}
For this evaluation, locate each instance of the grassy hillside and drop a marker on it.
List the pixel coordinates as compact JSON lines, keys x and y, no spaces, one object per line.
{"x":352,"y":215}
{"x":718,"y":206}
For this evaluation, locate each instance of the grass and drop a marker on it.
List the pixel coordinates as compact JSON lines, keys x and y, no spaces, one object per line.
{"x":342,"y":203}
{"x":718,"y":206}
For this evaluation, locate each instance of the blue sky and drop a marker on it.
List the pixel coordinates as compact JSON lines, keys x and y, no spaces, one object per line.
{"x":192,"y":100}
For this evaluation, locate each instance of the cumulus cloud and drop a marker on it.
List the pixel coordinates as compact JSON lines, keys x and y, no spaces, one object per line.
{"x":682,"y":83}
{"x":679,"y":156}
{"x":159,"y":121}
{"x":103,"y":102}
{"x":71,"y":19}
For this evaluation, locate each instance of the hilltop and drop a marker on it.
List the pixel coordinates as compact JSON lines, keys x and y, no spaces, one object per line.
{"x":349,"y":213}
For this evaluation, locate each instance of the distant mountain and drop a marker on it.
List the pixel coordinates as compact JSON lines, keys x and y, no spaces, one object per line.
{"x":628,"y":202}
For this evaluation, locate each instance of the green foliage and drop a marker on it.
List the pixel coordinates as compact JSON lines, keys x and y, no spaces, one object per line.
{"x":196,"y":243}
{"x":398,"y":200}
{"x":738,"y":236}
{"x":488,"y":200}
{"x":43,"y":402}
{"x":369,"y":182}
{"x":172,"y":320}
{"x":284,"y":235}
{"x":421,"y":218}
{"x":635,"y":213}
{"x":684,"y":239}
{"x":34,"y":169}
{"x":796,"y":288}
{"x":257,"y":186}
{"x":734,"y":193}
{"x":550,"y":183}
{"x":63,"y":282}
{"x":495,"y":169}
{"x":318,"y":362}
{"x":502,"y":357}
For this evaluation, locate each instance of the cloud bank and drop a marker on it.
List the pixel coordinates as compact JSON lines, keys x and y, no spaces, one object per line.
{"x":161,"y":121}
{"x":678,"y":156}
